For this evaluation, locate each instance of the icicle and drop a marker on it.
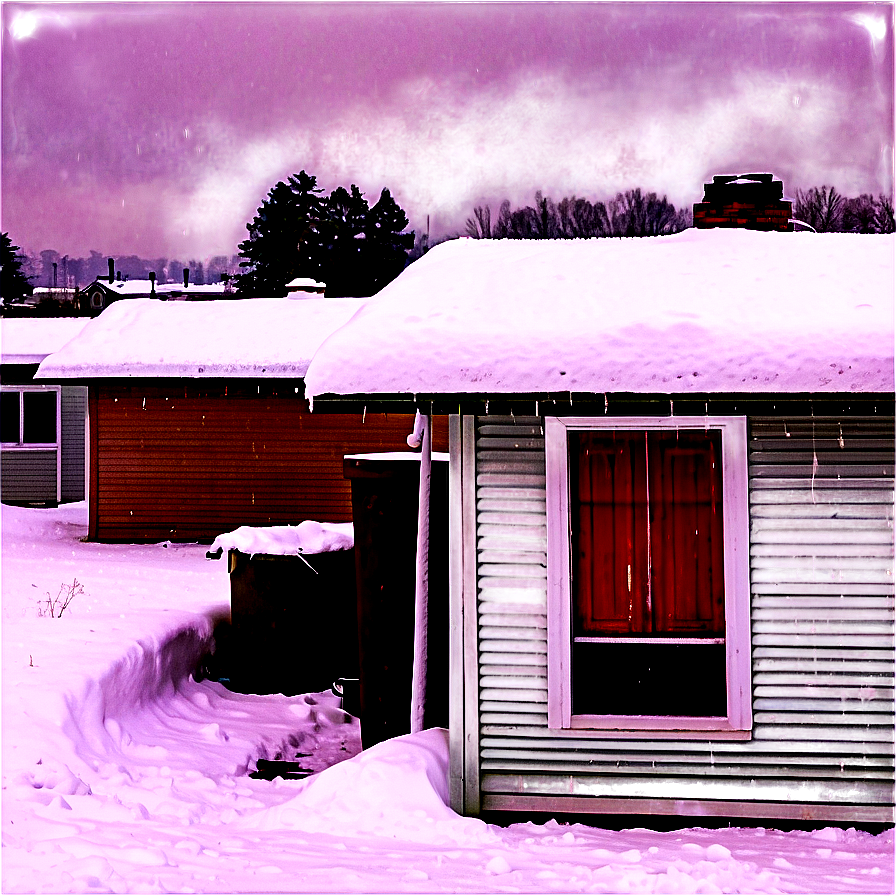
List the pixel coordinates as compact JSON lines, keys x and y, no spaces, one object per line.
{"x":310,"y":403}
{"x":364,"y":414}
{"x":842,"y":443}
{"x":536,"y":408}
{"x":606,"y":404}
{"x":144,"y":408}
{"x":671,"y":408}
{"x":486,"y":407}
{"x":570,"y":397}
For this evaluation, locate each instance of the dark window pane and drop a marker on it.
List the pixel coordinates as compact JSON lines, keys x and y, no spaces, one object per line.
{"x":39,"y":417}
{"x":9,"y":416}
{"x":649,"y":679}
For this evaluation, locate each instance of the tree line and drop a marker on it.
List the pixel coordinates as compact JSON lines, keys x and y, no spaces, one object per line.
{"x":827,"y":211}
{"x":77,"y":272}
{"x":632,"y":213}
{"x":355,"y":248}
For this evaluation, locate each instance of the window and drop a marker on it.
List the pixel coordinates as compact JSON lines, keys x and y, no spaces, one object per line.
{"x":29,"y":417}
{"x":648,"y":574}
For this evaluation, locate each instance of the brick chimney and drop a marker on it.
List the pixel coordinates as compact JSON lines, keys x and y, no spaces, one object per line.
{"x":749,"y":201}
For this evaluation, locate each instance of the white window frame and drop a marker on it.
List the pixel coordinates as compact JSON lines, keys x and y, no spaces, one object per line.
{"x":735,"y":520}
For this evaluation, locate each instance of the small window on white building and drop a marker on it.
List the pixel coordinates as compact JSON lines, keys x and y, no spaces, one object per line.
{"x":648,"y":574}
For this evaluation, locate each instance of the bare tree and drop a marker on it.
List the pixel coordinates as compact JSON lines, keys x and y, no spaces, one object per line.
{"x":883,"y":215}
{"x":635,"y":214}
{"x":858,"y":214}
{"x":480,"y":225}
{"x":822,"y":208}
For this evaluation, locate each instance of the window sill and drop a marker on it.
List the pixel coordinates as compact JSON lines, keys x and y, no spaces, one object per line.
{"x":658,"y":727}
{"x":31,"y":446}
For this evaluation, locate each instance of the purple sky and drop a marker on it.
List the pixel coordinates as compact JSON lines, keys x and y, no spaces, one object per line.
{"x":158,"y":128}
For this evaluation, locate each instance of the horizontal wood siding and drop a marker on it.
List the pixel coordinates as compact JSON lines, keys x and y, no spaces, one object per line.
{"x":74,"y":447}
{"x":170,"y":465}
{"x":821,"y":514}
{"x":28,"y":475}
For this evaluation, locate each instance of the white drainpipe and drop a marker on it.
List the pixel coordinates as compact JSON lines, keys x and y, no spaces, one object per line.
{"x":421,"y":436}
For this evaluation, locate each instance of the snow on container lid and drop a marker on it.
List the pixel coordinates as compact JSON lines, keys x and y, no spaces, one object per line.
{"x":309,"y":537}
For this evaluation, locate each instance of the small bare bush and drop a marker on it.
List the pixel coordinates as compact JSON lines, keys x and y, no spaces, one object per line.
{"x":55,"y":606}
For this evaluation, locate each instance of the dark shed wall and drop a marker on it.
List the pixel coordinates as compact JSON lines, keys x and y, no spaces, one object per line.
{"x":187,"y":462}
{"x":821,"y":536}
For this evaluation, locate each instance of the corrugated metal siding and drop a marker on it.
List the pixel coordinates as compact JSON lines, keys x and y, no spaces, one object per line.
{"x":821,"y":505}
{"x":74,"y":414}
{"x":170,"y":466}
{"x":28,"y":475}
{"x":511,"y":529}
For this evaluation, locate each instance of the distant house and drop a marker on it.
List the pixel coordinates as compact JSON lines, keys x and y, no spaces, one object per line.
{"x":671,"y":515}
{"x":199,"y":422}
{"x":102,"y":292}
{"x":42,"y":444}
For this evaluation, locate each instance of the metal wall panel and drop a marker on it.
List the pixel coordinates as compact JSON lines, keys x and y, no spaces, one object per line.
{"x":29,"y":475}
{"x":821,"y":513}
{"x":188,"y":463}
{"x":74,"y":446}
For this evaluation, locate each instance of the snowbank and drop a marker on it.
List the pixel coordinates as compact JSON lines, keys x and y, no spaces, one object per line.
{"x":703,"y":311}
{"x":308,"y":537}
{"x":397,"y":789}
{"x":30,"y":340}
{"x":152,"y":338}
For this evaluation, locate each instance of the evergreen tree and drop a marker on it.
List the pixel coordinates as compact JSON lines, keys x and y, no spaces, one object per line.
{"x":386,"y":244}
{"x":13,"y":283}
{"x":284,"y":238}
{"x":338,"y":240}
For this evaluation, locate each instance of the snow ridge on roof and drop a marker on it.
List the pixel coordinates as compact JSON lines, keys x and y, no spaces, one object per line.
{"x":153,"y":338}
{"x":702,"y":311}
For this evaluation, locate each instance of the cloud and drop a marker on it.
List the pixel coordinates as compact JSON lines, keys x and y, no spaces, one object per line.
{"x":440,"y":152}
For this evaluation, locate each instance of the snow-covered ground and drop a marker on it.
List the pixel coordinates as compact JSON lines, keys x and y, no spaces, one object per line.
{"x":121,"y":773}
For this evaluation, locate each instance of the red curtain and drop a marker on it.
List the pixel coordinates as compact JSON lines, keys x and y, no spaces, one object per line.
{"x":647,"y":533}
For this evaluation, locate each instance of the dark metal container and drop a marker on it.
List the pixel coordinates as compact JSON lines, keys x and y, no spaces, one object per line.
{"x":385,"y":497}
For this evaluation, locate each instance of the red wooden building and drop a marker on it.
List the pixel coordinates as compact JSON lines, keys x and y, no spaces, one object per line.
{"x":198,"y":421}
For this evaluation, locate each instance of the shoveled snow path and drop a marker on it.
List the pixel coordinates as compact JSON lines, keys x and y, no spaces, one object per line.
{"x":123,"y":774}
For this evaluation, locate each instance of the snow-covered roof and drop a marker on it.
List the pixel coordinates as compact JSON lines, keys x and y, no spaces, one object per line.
{"x":30,"y":340}
{"x":152,"y":338}
{"x":305,"y":283}
{"x":703,"y":311}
